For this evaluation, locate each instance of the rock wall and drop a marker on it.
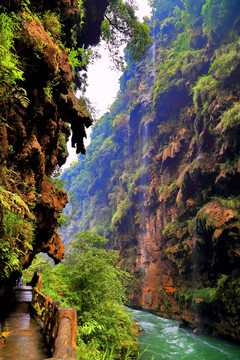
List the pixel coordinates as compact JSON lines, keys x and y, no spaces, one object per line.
{"x":37,"y":110}
{"x":165,"y":179}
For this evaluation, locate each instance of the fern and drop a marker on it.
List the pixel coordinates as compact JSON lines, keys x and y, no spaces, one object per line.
{"x":10,"y":72}
{"x":16,"y":230}
{"x":12,"y":202}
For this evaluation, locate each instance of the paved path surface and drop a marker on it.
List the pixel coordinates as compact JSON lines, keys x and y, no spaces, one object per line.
{"x":24,"y":340}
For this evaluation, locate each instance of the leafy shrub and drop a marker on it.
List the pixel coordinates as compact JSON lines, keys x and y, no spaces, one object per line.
{"x":174,"y":63}
{"x":89,"y":280}
{"x":78,"y":57}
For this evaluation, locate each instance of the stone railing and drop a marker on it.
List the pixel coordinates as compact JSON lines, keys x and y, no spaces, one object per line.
{"x":59,"y":325}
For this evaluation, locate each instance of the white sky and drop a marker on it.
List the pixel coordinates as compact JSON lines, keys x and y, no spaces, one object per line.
{"x":103,"y":83}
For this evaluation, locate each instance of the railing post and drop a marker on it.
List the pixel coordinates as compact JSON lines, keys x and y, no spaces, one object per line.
{"x":63,"y":334}
{"x":59,"y":325}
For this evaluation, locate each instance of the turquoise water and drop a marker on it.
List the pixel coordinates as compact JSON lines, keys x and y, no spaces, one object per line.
{"x":165,"y":340}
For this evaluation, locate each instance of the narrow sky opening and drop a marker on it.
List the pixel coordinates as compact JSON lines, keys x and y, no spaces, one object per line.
{"x":103,"y":83}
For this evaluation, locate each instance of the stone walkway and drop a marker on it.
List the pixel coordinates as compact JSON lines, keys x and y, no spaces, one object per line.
{"x":24,"y":340}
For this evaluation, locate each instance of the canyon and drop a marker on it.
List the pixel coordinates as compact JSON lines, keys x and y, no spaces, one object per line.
{"x":160,"y":179}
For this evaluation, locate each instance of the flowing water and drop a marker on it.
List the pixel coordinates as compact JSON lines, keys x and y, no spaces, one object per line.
{"x":165,"y":340}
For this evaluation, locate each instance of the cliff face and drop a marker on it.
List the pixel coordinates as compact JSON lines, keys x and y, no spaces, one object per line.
{"x":164,"y":170}
{"x":37,"y":110}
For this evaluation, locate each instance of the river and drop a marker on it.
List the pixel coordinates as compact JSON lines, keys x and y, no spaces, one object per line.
{"x":163,"y":339}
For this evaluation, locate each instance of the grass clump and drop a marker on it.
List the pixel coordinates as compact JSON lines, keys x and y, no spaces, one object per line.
{"x":230,"y":119}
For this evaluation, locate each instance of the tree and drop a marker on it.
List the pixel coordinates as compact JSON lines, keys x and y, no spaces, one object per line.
{"x":89,"y":280}
{"x":121,"y":26}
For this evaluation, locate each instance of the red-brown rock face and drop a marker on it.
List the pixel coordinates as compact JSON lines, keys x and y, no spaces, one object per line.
{"x":36,"y":118}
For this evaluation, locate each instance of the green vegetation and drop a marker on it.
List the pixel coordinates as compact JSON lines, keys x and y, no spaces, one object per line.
{"x":122,"y":208}
{"x":62,"y":145}
{"x":194,"y":8}
{"x":179,"y":254}
{"x":166,"y":191}
{"x":52,"y":24}
{"x":205,"y":91}
{"x":78,"y":58}
{"x":226,"y":62}
{"x":57,"y":181}
{"x":218,"y":12}
{"x":189,"y":297}
{"x":16,"y":231}
{"x":48,"y":90}
{"x":120,"y":25}
{"x":116,"y":185}
{"x":89,"y":280}
{"x":232,"y":202}
{"x":10,"y":71}
{"x":111,"y":183}
{"x":222,"y":300}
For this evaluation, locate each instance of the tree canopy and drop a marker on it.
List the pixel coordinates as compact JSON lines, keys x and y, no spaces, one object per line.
{"x":90,"y":280}
{"x":121,"y":26}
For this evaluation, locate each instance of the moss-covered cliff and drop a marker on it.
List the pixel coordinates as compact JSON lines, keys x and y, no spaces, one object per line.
{"x":38,"y":59}
{"x":161,"y":176}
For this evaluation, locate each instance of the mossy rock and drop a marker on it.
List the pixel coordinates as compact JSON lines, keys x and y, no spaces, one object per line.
{"x":230,"y":119}
{"x":167,"y":101}
{"x":227,"y":66}
{"x":198,"y":40}
{"x":199,"y":174}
